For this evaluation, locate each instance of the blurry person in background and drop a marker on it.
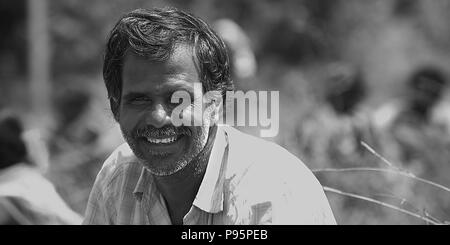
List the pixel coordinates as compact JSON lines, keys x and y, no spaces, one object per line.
{"x":243,"y":64}
{"x":426,"y":87}
{"x":242,"y":58}
{"x":330,"y":134}
{"x":415,"y":141}
{"x":203,"y":174}
{"x":81,"y":125}
{"x":26,"y":196}
{"x":412,"y":136}
{"x":70,"y":133}
{"x":82,"y":137}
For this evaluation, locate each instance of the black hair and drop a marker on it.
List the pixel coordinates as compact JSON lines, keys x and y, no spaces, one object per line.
{"x":345,"y":90}
{"x":154,"y":34}
{"x":429,"y":73}
{"x":12,"y":147}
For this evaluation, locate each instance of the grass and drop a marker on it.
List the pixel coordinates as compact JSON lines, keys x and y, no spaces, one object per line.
{"x":384,"y":204}
{"x":391,"y":169}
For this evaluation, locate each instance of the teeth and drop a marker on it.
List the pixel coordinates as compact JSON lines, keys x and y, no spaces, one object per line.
{"x":162,"y":141}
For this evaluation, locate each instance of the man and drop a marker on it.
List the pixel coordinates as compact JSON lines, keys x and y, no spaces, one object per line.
{"x":26,"y":196}
{"x":414,"y":129}
{"x":205,"y":174}
{"x":415,"y":136}
{"x":330,"y":133}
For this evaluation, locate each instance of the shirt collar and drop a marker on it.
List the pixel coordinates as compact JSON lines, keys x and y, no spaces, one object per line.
{"x":210,"y":195}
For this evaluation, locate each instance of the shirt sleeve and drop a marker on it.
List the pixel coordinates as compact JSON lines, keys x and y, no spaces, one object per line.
{"x":98,"y":211}
{"x":282,"y":190}
{"x":103,"y":201}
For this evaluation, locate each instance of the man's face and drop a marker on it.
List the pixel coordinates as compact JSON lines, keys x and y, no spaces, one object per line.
{"x":145,"y":111}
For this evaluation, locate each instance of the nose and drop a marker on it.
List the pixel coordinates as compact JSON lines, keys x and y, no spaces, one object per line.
{"x":158,"y":116}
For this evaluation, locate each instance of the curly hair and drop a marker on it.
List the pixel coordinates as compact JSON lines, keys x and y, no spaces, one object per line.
{"x":154,"y":34}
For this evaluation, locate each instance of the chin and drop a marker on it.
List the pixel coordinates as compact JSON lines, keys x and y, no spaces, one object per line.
{"x":168,"y":159}
{"x":164,"y":172}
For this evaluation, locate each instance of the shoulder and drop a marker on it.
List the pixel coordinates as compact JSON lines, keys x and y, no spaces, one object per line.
{"x":268,"y":154}
{"x":262,"y":163}
{"x":114,"y":183}
{"x":121,"y":164}
{"x":273,"y":184}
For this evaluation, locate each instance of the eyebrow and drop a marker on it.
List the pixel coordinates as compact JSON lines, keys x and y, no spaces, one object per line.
{"x":171,"y":90}
{"x":132,"y":95}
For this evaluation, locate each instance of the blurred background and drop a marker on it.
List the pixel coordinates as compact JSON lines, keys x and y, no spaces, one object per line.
{"x":363,"y":92}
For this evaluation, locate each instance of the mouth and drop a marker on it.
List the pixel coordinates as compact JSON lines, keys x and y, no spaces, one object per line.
{"x":163,"y":141}
{"x":163,"y":146}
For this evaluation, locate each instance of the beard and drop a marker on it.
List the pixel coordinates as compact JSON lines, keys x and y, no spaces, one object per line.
{"x":187,"y":149}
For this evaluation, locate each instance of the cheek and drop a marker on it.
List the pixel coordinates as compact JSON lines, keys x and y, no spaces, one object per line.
{"x":195,"y":115}
{"x":200,"y":137}
{"x":128,"y":120}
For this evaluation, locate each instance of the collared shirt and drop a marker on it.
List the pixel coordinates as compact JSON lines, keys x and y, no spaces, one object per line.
{"x":247,"y":181}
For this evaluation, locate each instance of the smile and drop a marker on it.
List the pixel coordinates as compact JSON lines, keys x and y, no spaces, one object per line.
{"x":167,"y":140}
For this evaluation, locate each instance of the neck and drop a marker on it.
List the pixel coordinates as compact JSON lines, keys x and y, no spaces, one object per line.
{"x":179,"y":190}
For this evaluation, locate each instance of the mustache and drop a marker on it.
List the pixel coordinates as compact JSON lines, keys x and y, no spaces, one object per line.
{"x":153,"y":132}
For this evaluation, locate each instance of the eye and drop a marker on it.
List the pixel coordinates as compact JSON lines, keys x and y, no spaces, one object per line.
{"x":139,"y":100}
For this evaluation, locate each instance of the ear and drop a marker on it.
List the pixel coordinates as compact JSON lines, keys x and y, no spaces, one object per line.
{"x":216,"y":114}
{"x":213,"y":100}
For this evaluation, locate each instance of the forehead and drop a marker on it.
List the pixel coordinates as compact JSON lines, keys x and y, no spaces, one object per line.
{"x":181,"y":64}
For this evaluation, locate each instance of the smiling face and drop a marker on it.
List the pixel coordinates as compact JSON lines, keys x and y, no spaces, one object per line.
{"x":145,"y":111}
